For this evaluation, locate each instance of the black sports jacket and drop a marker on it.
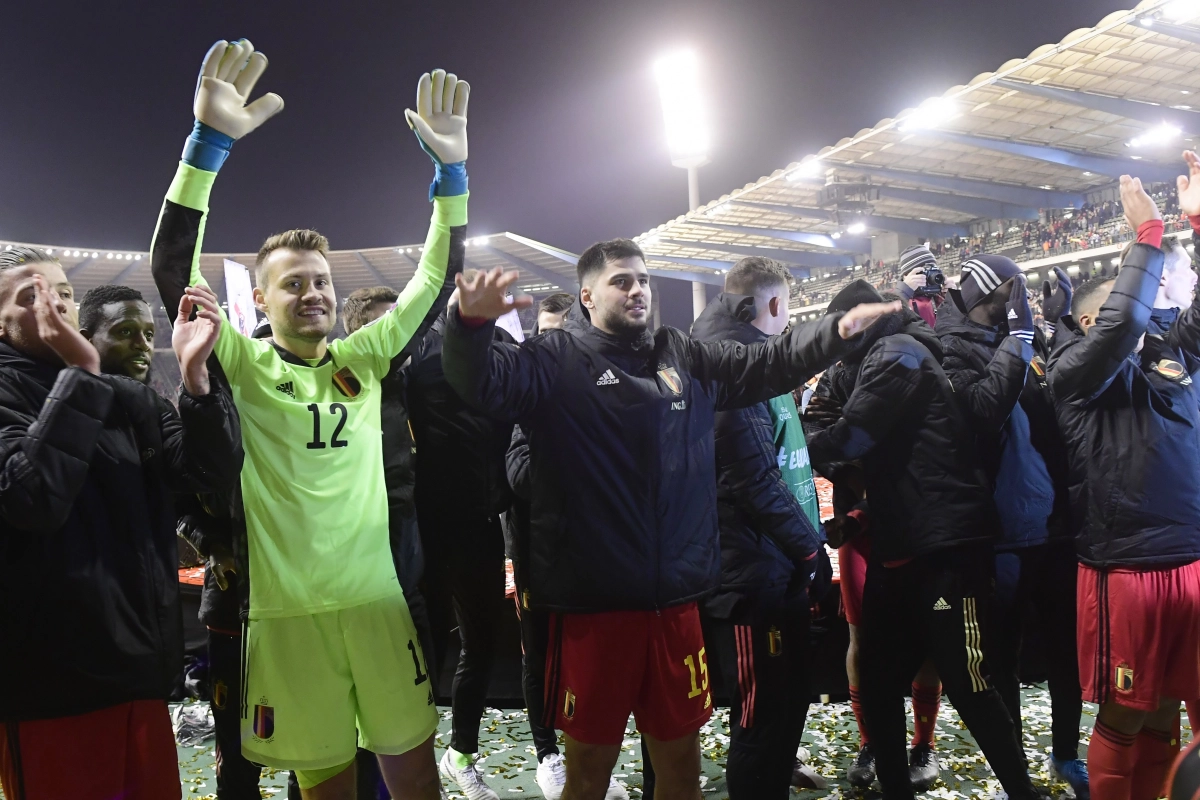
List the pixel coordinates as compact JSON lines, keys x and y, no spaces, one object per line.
{"x":1131,"y":421}
{"x":925,"y":483}
{"x":766,"y":537}
{"x":89,"y":589}
{"x":621,"y":449}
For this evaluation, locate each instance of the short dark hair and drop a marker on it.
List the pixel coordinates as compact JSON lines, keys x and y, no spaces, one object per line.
{"x":1085,"y":292}
{"x":296,"y":239}
{"x":595,"y":257}
{"x":91,"y":307}
{"x":755,"y":275}
{"x":19,"y":256}
{"x":354,"y":310}
{"x":557,"y":303}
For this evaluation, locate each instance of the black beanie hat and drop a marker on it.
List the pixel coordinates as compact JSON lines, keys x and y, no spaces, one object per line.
{"x":982,"y":275}
{"x":853,"y":294}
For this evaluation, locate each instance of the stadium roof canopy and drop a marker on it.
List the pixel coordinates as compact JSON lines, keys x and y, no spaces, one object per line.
{"x":1041,"y":132}
{"x":543,"y":267}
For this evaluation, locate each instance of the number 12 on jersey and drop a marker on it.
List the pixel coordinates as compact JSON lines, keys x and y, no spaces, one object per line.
{"x":336,"y":409}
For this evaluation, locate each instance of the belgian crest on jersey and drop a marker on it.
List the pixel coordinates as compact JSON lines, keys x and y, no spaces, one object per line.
{"x":346,"y":382}
{"x":671,"y":378}
{"x":1172,"y":371}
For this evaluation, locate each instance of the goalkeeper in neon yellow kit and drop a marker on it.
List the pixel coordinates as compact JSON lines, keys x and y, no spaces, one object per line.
{"x":331,"y":657}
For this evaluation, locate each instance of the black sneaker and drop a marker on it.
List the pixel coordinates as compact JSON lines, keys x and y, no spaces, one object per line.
{"x":862,"y":772}
{"x":923,"y":767}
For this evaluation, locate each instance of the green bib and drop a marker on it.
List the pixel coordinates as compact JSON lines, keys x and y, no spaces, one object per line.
{"x":791,"y":454}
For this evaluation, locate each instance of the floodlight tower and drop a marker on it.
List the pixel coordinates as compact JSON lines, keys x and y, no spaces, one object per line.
{"x":686,"y":120}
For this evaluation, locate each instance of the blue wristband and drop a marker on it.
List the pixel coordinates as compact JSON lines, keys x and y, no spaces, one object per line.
{"x":207,"y":148}
{"x":449,"y":180}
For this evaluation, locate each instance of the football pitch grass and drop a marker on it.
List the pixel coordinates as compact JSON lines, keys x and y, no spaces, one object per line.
{"x":831,"y":739}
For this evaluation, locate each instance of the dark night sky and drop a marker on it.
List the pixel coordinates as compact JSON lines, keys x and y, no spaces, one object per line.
{"x":565,"y":127}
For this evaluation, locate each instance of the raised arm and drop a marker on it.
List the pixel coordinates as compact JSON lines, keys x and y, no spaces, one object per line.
{"x":749,"y":374}
{"x":440,"y":124}
{"x":889,"y":386}
{"x":227,"y":78}
{"x":1084,"y":369}
{"x":989,"y":396}
{"x":1185,"y":333}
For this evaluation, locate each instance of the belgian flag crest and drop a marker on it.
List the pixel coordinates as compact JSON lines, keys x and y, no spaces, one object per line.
{"x":671,"y":378}
{"x":264,"y":722}
{"x":346,"y":382}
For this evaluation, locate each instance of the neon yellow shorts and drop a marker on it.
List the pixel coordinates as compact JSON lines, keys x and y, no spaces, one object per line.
{"x":314,"y":684}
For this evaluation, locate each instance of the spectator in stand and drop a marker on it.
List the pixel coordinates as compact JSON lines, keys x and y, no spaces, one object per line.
{"x":912,"y":288}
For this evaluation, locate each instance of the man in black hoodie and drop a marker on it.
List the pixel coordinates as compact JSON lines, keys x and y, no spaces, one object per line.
{"x":996,"y":361}
{"x":623,"y":537}
{"x":932,"y":529}
{"x":771,"y":548}
{"x":461,"y":490}
{"x":89,"y":596}
{"x":1130,"y":415}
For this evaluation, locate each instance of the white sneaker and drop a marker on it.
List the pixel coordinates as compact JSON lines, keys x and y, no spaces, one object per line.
{"x":468,"y":779}
{"x":615,"y":791}
{"x":552,"y":776}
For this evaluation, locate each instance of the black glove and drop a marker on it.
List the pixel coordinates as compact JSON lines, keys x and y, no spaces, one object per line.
{"x":822,"y":580}
{"x":1020,"y":315}
{"x":1056,"y":304}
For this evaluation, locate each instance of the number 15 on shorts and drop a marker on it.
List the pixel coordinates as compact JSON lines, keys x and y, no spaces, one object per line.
{"x":690,"y":663}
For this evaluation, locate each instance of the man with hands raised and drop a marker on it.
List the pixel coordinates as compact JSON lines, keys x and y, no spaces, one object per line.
{"x":623,"y":522}
{"x":332,"y":658}
{"x":89,"y":596}
{"x":1130,"y":416}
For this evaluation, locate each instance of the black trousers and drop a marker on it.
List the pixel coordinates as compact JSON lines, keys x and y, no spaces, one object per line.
{"x":464,"y":585}
{"x":1042,"y":578}
{"x":766,"y":663}
{"x":933,"y":606}
{"x":535,"y":634}
{"x":237,"y":778}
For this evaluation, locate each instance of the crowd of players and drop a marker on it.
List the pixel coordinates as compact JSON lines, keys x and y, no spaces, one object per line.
{"x":657,"y":497}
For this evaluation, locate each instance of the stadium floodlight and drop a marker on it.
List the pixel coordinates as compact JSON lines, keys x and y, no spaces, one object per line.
{"x":1161,"y":134}
{"x":95,"y":255}
{"x":933,"y":112}
{"x":835,"y":235}
{"x":686,"y":118}
{"x":1181,"y":10}
{"x":1073,"y":269}
{"x":857,"y":228}
{"x":809,"y":169}
{"x":684,"y":110}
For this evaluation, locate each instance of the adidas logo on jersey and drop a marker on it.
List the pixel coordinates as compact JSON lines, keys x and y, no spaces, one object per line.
{"x":287,"y":388}
{"x":941,"y":605}
{"x":608,"y":379}
{"x":1012,"y":313}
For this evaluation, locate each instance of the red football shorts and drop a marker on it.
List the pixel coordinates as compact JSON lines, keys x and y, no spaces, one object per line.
{"x":601,"y":667}
{"x":852,"y":569}
{"x":1139,"y":635}
{"x":125,"y":751}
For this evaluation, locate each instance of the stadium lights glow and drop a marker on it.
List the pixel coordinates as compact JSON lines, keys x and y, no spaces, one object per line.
{"x":109,"y":256}
{"x":809,"y":169}
{"x":1116,"y":262}
{"x":1073,"y":269}
{"x":1181,"y":10}
{"x":95,"y":255}
{"x":49,"y":251}
{"x":857,"y":227}
{"x":1098,"y":265}
{"x":933,"y":112}
{"x":835,"y":235}
{"x":684,"y":110}
{"x":137,"y":257}
{"x":1068,"y":215}
{"x":1160,"y":135}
